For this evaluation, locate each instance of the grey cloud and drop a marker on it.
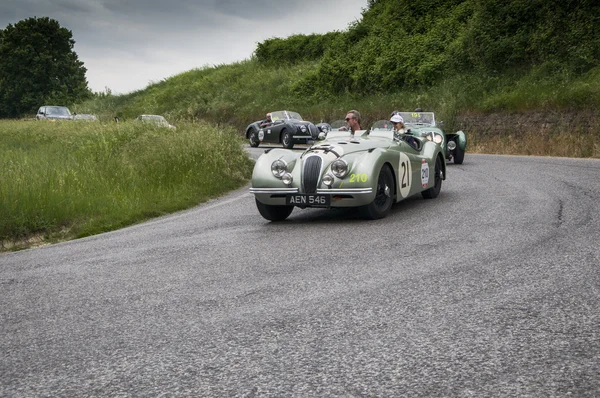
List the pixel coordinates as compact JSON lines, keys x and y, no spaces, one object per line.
{"x":126,"y":43}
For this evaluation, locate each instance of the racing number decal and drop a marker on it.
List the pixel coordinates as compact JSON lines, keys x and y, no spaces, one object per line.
{"x":404,"y":175}
{"x":359,"y":178}
{"x":424,"y":173}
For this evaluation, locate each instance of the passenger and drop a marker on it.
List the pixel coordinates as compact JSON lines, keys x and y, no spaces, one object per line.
{"x":401,"y":132}
{"x":353,"y":121}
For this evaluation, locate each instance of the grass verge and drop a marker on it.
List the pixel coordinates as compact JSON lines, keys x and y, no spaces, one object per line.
{"x":75,"y":179}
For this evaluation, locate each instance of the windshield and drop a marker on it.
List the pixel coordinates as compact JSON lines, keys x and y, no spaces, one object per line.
{"x":337,"y":124}
{"x":382,"y":125}
{"x":418,"y":118}
{"x":58,"y":111}
{"x":285,"y":115}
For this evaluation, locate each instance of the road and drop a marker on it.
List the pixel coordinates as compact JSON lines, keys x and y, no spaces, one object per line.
{"x":492,"y":289}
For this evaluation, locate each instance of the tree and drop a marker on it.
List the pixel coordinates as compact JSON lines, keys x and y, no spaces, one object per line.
{"x":38,"y":66}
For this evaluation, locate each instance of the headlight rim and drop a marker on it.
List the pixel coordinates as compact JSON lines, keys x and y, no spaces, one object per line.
{"x":281,"y":169}
{"x":338,"y":174}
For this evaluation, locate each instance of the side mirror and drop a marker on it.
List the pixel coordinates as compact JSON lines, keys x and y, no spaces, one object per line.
{"x":322,"y":136}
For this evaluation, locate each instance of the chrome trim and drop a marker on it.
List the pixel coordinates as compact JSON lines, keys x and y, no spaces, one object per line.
{"x":351,"y":191}
{"x":302,"y":136}
{"x":273,"y":190}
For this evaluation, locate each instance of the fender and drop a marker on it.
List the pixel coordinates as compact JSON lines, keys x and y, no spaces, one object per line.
{"x":250,"y":127}
{"x":461,"y":140}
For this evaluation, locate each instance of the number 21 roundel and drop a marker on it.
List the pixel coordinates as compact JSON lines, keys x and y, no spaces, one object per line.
{"x":404,"y":175}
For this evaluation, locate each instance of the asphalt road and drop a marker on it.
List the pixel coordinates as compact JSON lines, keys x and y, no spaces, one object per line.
{"x":492,"y":289}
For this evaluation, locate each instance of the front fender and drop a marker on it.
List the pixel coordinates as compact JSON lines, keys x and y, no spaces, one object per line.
{"x":461,"y":140}
{"x":251,"y":127}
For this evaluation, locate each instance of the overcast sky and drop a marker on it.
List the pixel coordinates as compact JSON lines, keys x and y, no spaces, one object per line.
{"x":127,"y":44}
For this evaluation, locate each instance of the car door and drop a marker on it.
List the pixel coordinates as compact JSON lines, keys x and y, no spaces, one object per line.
{"x":273,"y":131}
{"x":413,"y":170}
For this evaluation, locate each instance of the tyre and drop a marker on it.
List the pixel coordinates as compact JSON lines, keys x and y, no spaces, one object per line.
{"x":459,"y":155}
{"x":434,"y":191}
{"x":253,"y":138}
{"x":384,"y":197}
{"x":274,"y":213}
{"x":287,"y":139}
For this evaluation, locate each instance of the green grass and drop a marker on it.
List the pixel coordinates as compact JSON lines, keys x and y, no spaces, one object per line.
{"x":74,"y":179}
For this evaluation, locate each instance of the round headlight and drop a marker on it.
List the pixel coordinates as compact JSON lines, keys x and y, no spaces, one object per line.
{"x":328,"y":179}
{"x":339,"y":168}
{"x":437,"y":138}
{"x":287,"y":179}
{"x":279,"y":168}
{"x":452,"y":145}
{"x":303,"y":128}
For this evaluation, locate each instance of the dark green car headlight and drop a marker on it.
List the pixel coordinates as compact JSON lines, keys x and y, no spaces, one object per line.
{"x":451,"y":145}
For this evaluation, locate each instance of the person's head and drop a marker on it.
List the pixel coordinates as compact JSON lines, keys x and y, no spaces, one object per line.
{"x":353,"y":120}
{"x":397,"y":121}
{"x":396,"y":112}
{"x":269,"y":116}
{"x":419,"y":110}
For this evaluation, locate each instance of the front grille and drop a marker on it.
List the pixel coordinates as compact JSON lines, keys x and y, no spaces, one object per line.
{"x":310,"y":176}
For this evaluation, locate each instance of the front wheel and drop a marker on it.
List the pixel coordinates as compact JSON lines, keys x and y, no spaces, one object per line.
{"x":253,"y":138}
{"x":434,"y":191}
{"x":384,"y":197}
{"x":459,"y":155}
{"x":287,"y":139}
{"x":273,"y":213}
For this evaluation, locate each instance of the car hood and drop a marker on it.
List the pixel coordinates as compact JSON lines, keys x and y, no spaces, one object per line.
{"x":343,"y":143}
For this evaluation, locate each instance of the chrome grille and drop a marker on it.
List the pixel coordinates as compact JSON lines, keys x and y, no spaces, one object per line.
{"x":310,"y":176}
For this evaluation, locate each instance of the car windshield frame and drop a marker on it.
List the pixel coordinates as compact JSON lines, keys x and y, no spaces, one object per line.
{"x":285,"y":115}
{"x":418,"y":118}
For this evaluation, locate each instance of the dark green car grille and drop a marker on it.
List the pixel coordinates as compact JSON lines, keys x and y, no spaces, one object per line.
{"x":310,"y":176}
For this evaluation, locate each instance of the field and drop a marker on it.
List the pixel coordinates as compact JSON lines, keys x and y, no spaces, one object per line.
{"x":63,"y":180}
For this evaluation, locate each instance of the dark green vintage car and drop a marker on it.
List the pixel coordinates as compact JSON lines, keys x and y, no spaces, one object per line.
{"x":368,"y":171}
{"x":424,"y":124}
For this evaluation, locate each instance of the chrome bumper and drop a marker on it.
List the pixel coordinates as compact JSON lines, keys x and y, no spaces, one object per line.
{"x":332,"y":191}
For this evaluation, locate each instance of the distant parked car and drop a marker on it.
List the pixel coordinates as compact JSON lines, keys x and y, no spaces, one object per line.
{"x":85,"y":116}
{"x":51,"y":112}
{"x":285,"y":127}
{"x":155,"y":119}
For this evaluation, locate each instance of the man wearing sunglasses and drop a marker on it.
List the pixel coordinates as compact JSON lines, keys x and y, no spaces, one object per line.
{"x":353,"y":121}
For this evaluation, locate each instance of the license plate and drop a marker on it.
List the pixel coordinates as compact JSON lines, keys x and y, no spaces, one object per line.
{"x":308,"y":200}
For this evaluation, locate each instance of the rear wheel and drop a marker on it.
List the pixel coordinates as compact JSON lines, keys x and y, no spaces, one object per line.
{"x":253,"y":138}
{"x":384,"y":197}
{"x":434,"y":191}
{"x":287,"y":139}
{"x":274,"y":213}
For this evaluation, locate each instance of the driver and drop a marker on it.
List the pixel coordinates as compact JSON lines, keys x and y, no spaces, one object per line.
{"x":353,"y":121}
{"x":267,"y":121}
